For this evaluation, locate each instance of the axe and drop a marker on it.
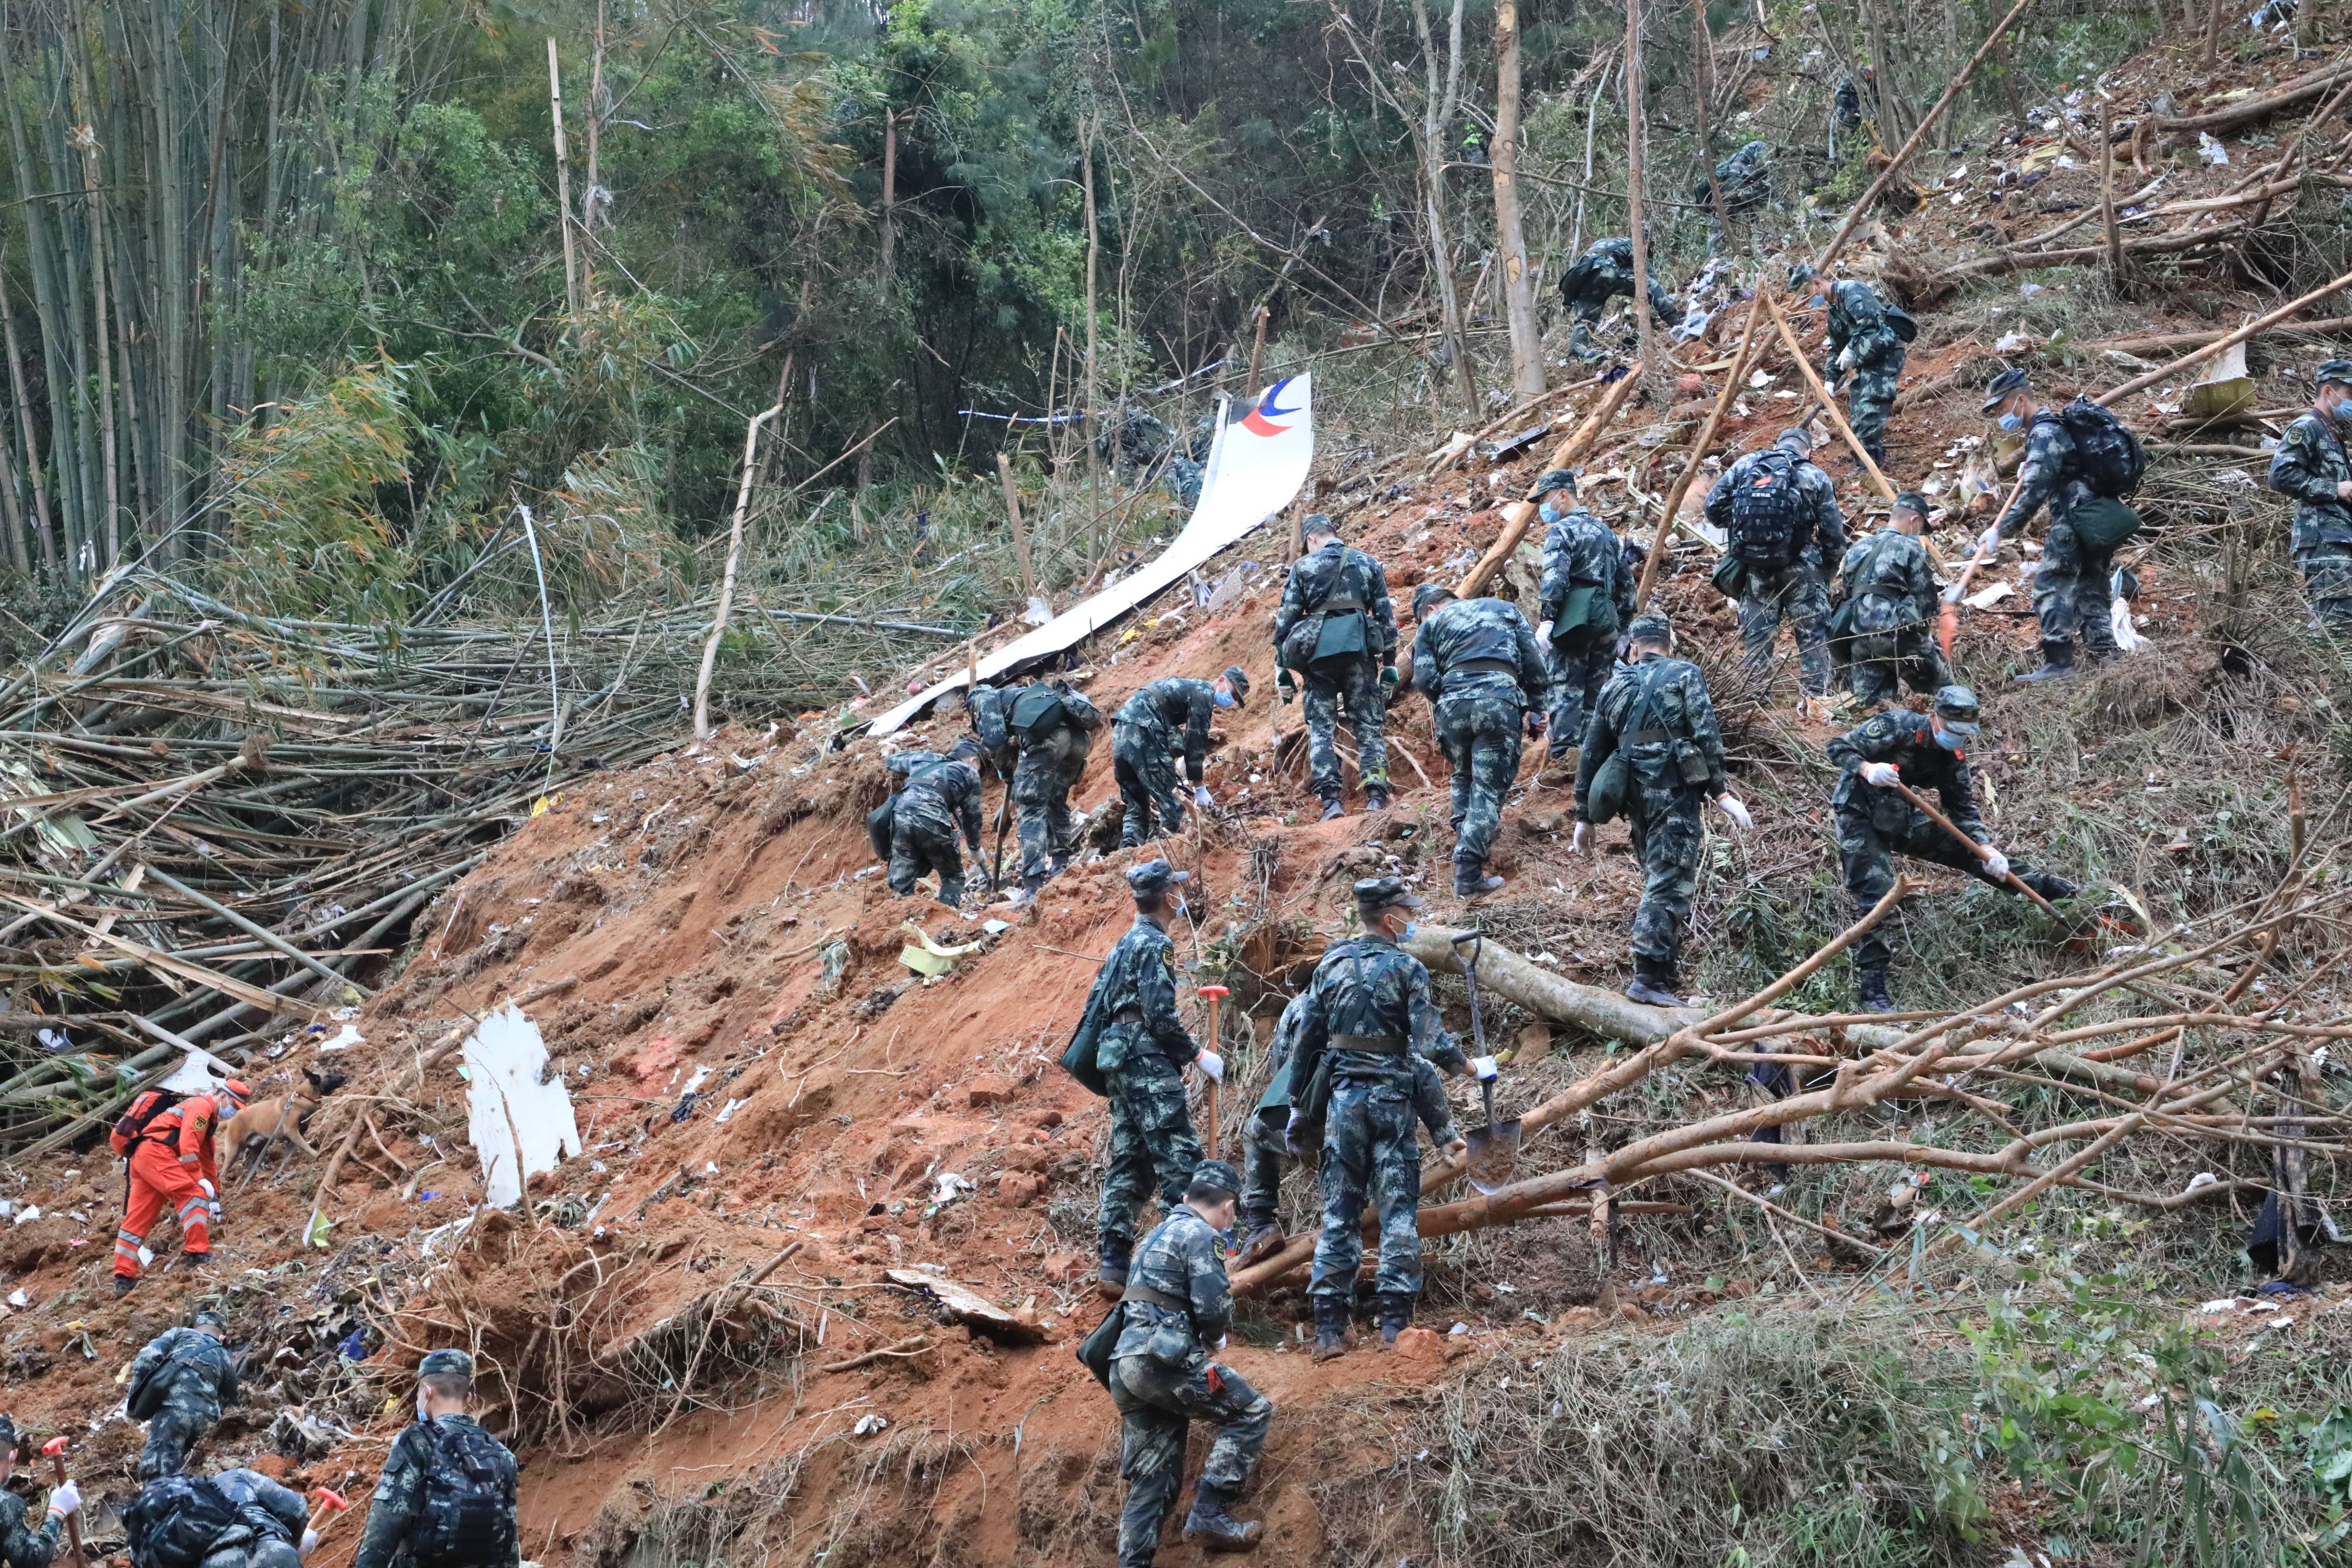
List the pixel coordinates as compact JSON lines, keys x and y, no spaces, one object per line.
{"x":55,"y":1448}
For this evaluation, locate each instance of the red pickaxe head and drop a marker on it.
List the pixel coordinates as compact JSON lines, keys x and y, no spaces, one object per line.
{"x":55,"y":1447}
{"x":1215,"y":991}
{"x":329,"y":1500}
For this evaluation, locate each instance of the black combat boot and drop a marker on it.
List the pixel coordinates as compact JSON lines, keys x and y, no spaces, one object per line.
{"x":1376,"y":797}
{"x":1330,"y":1327}
{"x":1869,"y":991}
{"x":1653,"y":981}
{"x":124,"y":1284}
{"x":1468,"y":881}
{"x":2057,"y":661}
{"x":1265,"y":1240}
{"x":1333,"y":805}
{"x":1396,"y":1314}
{"x":1213,"y":1528}
{"x":1116,"y":1251}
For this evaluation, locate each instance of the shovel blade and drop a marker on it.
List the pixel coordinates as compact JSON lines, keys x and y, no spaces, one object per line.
{"x":1493,"y":1154}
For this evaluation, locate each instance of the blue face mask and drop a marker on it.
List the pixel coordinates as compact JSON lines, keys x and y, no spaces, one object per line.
{"x":1410,"y":928}
{"x":1224,"y":698}
{"x":2013,"y":422}
{"x":1949,"y":740}
{"x":1549,"y":512}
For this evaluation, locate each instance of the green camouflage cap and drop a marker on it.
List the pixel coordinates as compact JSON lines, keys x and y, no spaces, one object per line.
{"x":1427,"y":596}
{"x":1217,"y":1174}
{"x":1555,"y":479}
{"x":2338,"y":371}
{"x":1374,"y":894}
{"x":1912,"y":502}
{"x":2013,"y":379}
{"x":1801,"y":275}
{"x":1651,"y":626}
{"x":439,"y":1361}
{"x":1957,"y":707}
{"x":1319,"y":523}
{"x":1154,"y":877}
{"x":8,"y":1433}
{"x":1798,"y":434}
{"x":209,"y":1318}
{"x":1238,"y":678}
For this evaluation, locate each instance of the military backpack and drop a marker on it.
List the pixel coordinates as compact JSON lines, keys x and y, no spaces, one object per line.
{"x":2107,"y":457}
{"x":177,"y":1521}
{"x":1768,"y":511}
{"x":1037,"y":712}
{"x":464,"y":1519}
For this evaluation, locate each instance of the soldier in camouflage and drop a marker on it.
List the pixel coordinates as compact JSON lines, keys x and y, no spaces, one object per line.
{"x":1478,"y":661}
{"x":1864,"y":341}
{"x":2311,"y":465}
{"x":1587,"y":599}
{"x":989,"y":708}
{"x":272,"y":1529}
{"x":21,"y":1546}
{"x":1142,"y":1054}
{"x":1267,"y":1144}
{"x":2071,"y":586}
{"x":186,"y":1375}
{"x":1605,"y":272}
{"x":1178,"y":1305}
{"x":1149,"y":729}
{"x":1884,"y":629}
{"x":1042,"y":734}
{"x":477,"y":1478}
{"x":1924,"y":751}
{"x":1337,"y":628}
{"x":1369,"y":1008}
{"x":1658,"y":713}
{"x":940,"y":794}
{"x":1795,"y":586}
{"x":1746,"y":181}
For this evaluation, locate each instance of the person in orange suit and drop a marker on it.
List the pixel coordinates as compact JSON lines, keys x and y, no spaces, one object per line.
{"x":169,"y":1142}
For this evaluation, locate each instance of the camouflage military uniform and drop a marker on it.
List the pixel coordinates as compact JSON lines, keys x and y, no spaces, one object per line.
{"x":1848,"y":101}
{"x":1884,"y":631}
{"x":1267,"y":1143}
{"x":939,"y":795}
{"x":1746,"y":177}
{"x":2071,"y":588}
{"x":200,"y":1378}
{"x":1143,"y":742}
{"x":2308,"y":466}
{"x":1369,"y":1006}
{"x":1873,"y":823}
{"x":991,"y":709}
{"x":1049,"y":768}
{"x":1143,"y":1048}
{"x":1660,"y":709}
{"x":1588,"y":597}
{"x":1603,"y":273}
{"x":1859,"y":321}
{"x":1478,"y":661}
{"x":1797,"y":589}
{"x":399,"y":1505}
{"x":1324,"y":589}
{"x":270,"y":1521}
{"x":1162,"y":1380}
{"x":21,"y":1547}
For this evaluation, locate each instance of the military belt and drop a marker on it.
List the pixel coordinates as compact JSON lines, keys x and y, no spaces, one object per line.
{"x":1650,"y":738}
{"x":1485,"y":666}
{"x":1160,"y":1298}
{"x":1342,"y":606}
{"x":1128,"y":1015}
{"x":1377,"y":1045}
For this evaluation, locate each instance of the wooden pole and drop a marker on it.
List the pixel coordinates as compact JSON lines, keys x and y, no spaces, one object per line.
{"x":1645,"y":329}
{"x":889,"y":193}
{"x":1978,"y":850}
{"x":562,"y":178}
{"x":1740,"y":358}
{"x":1020,"y":533}
{"x":1828,"y":404}
{"x":1094,"y":256}
{"x":2107,"y":195}
{"x":1258,"y":353}
{"x":1519,"y":513}
{"x":727,"y":579}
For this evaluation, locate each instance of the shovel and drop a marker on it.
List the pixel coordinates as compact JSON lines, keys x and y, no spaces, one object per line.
{"x":1494,"y":1148}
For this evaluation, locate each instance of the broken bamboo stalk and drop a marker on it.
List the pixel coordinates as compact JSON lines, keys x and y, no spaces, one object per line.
{"x":1521,"y":513}
{"x":734,"y":542}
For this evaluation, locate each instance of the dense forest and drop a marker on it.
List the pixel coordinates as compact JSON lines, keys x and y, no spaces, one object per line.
{"x":327,"y":296}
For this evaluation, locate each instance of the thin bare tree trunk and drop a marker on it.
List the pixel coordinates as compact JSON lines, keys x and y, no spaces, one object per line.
{"x":1094,"y":257}
{"x":25,"y":423}
{"x":1702,"y":71}
{"x":85,"y":136}
{"x":1636,"y":125}
{"x":1437,"y":113}
{"x":591,"y":197}
{"x":562,"y":179}
{"x":889,"y":192}
{"x":1518,"y":280}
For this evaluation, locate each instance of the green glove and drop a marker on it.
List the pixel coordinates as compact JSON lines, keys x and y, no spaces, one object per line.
{"x":1388,"y":681}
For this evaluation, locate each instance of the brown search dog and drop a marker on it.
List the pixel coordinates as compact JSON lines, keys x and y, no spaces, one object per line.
{"x":252,"y":1131}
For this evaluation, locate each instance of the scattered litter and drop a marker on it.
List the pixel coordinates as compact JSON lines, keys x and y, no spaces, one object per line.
{"x":26,"y":1216}
{"x":2013,"y":343}
{"x":18,"y":1297}
{"x":344,"y":1041}
{"x":727,"y":1112}
{"x":2212,"y":152}
{"x":972,"y":1308}
{"x":951,"y":1188}
{"x":869,"y":1424}
{"x":1986,"y":598}
{"x":929,"y":958}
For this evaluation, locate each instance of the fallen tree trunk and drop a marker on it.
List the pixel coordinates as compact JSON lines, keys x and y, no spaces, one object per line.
{"x":2019,"y":261}
{"x":2250,"y":110}
{"x":2174,"y":342}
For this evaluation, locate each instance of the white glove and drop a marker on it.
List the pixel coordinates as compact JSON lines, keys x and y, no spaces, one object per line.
{"x":1733,"y":809}
{"x":1845,"y":357}
{"x":1580,"y":841}
{"x":1213,"y":1066}
{"x":1989,"y":541}
{"x":1203,"y":798}
{"x":209,"y":1191}
{"x":1996,"y":863}
{"x":66,"y":1501}
{"x":1483,"y":1068}
{"x":1883,"y":775}
{"x":1543,"y":632}
{"x":310,"y":1541}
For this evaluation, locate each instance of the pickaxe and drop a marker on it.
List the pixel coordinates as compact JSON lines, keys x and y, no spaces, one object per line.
{"x":1214,"y":994}
{"x":329,"y":1500}
{"x":56,"y":1450}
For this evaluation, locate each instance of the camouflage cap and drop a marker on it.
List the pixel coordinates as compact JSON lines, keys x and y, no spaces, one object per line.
{"x":1238,"y":678}
{"x":1318,"y":525}
{"x":1552,"y":480}
{"x":1802,"y":437}
{"x":1374,"y":894}
{"x":1957,"y":707}
{"x":2338,"y":371}
{"x":2013,"y":379}
{"x":1800,"y":274}
{"x":966,"y":747}
{"x":446,"y":1361}
{"x":1154,"y":877}
{"x":1217,"y":1174}
{"x":1651,"y":626}
{"x":1428,"y":596}
{"x":209,"y":1318}
{"x":1912,"y":502}
{"x":7,"y":1435}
